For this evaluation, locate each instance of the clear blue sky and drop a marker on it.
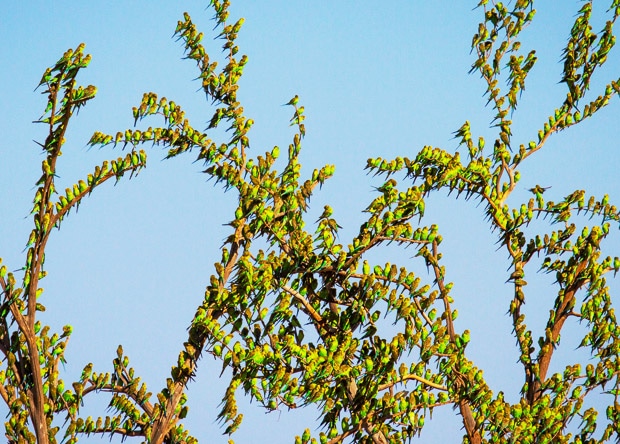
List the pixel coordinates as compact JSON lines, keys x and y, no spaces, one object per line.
{"x":131,"y":266}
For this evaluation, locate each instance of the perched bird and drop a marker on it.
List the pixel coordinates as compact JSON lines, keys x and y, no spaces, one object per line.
{"x":387,"y":186}
{"x":293,"y":101}
{"x":87,"y":372}
{"x":85,"y":94}
{"x":327,"y":212}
